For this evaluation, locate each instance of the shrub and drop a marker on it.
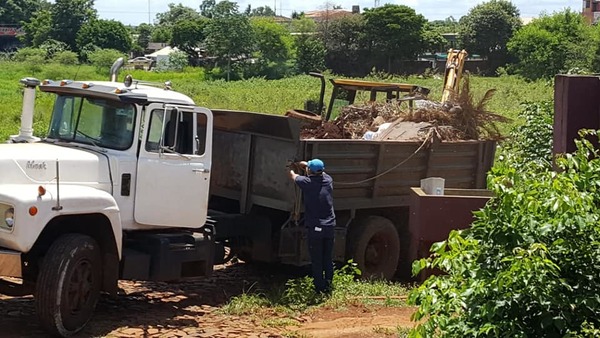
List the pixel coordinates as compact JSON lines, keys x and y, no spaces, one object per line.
{"x":29,"y":54}
{"x":66,"y":58}
{"x":103,"y":59}
{"x":529,"y":264}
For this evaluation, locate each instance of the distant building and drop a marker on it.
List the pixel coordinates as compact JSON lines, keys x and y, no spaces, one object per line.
{"x":329,"y":14}
{"x":591,"y":11}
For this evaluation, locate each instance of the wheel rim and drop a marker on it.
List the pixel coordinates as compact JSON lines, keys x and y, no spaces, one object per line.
{"x":375,"y":252}
{"x":79,"y":292}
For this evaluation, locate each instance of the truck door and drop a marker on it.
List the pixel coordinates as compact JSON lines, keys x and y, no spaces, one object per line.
{"x":174,"y":166}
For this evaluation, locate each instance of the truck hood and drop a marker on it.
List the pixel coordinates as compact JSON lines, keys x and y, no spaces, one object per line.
{"x":35,"y":163}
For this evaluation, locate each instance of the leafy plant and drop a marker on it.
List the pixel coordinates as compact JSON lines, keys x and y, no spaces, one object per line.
{"x":528,"y":266}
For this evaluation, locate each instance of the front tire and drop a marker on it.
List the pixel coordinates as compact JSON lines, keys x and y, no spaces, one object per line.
{"x":375,"y":247}
{"x":68,"y":285}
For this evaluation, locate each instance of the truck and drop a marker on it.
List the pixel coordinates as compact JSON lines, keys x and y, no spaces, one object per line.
{"x":136,"y":182}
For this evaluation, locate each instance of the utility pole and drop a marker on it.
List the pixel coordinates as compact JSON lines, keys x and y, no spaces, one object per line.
{"x":149,"y":13}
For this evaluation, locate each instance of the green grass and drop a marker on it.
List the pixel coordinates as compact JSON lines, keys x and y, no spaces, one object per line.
{"x":259,"y":95}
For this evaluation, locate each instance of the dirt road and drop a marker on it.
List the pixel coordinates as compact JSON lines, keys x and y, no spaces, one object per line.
{"x":191,"y":309}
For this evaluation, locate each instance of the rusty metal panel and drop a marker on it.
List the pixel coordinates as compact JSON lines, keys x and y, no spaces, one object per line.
{"x":432,"y":217}
{"x":576,"y":106}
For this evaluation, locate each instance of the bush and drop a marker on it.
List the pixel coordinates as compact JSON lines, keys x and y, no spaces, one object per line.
{"x":29,"y":54}
{"x":529,"y":265}
{"x":66,"y":58}
{"x":103,"y":59}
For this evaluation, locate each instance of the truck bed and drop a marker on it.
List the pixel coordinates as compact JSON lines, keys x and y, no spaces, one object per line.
{"x":251,"y":150}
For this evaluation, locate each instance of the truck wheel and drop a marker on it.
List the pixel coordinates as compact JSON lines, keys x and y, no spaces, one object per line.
{"x":375,"y":247}
{"x":68,"y":284}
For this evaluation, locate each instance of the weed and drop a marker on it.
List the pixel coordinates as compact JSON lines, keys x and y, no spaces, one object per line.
{"x":245,"y":304}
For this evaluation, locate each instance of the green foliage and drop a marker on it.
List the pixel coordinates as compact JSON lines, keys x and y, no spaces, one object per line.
{"x":66,"y":58}
{"x":29,"y":54}
{"x":487,"y":28}
{"x":102,"y":59}
{"x":273,"y":41}
{"x":345,"y":38}
{"x":177,"y":13}
{"x":229,"y":36}
{"x":68,"y":16}
{"x":395,"y":31}
{"x":245,"y":304}
{"x":552,"y":44}
{"x":13,"y":12}
{"x":530,"y":144}
{"x":310,"y":54}
{"x":188,"y":35}
{"x":528,"y":266}
{"x":105,"y":34}
{"x":38,"y":29}
{"x":162,"y":34}
{"x":144,"y":32}
{"x":52,"y":47}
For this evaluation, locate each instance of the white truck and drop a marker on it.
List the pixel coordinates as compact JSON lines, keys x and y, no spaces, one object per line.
{"x":117,"y":189}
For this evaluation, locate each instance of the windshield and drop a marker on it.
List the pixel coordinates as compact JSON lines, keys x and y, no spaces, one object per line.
{"x":93,"y":121}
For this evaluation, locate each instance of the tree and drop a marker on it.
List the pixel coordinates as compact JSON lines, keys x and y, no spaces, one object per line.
{"x":395,"y":31}
{"x":68,"y":16}
{"x":162,"y":34}
{"x":448,"y":25}
{"x":310,"y":54}
{"x":38,"y":29}
{"x":144,"y":34}
{"x":175,"y":14}
{"x":15,"y":12}
{"x":487,"y":28}
{"x":263,"y":11}
{"x":229,"y":34}
{"x":207,"y":8}
{"x":346,"y":42}
{"x":434,"y":41}
{"x":273,"y":41}
{"x":188,"y":35}
{"x":551,"y":44}
{"x":105,"y":34}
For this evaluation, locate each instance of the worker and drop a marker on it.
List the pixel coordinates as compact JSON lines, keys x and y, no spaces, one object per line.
{"x":319,"y":219}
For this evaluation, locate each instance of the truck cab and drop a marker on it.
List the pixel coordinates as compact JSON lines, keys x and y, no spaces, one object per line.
{"x":117,"y":189}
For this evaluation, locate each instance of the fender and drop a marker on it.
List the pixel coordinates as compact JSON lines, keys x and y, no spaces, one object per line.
{"x":34,"y":210}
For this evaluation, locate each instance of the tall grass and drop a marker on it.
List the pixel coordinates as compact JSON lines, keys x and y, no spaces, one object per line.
{"x":259,"y":95}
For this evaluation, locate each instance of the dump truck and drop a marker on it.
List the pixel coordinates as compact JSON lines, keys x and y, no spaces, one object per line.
{"x":137,"y":182}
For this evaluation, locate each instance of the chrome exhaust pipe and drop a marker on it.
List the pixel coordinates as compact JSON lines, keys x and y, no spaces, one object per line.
{"x":26,"y":131}
{"x":114,"y":69}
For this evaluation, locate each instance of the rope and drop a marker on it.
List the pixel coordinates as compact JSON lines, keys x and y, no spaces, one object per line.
{"x":427,"y":138}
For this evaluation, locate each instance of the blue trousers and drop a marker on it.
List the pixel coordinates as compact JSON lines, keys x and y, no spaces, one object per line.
{"x":321,"y":256}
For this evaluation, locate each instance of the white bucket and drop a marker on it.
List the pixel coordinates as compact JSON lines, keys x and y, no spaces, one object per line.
{"x":433,"y":185}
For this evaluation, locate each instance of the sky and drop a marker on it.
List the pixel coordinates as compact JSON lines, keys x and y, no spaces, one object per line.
{"x":134,"y":12}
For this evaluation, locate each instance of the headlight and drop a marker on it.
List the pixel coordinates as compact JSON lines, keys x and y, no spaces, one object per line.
{"x":9,"y":216}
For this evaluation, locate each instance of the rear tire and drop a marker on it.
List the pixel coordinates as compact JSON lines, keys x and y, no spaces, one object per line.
{"x":374,"y":245}
{"x":68,"y":285}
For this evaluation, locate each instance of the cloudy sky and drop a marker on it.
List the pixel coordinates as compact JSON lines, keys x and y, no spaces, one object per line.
{"x":137,"y":11}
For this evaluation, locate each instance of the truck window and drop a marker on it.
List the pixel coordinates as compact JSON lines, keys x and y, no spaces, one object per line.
{"x":102,"y":123}
{"x":178,"y":130}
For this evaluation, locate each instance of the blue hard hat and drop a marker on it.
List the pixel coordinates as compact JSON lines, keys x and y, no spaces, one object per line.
{"x":316,"y":165}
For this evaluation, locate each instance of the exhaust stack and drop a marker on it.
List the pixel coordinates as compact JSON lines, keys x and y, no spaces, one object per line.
{"x":114,"y":69}
{"x":26,"y":131}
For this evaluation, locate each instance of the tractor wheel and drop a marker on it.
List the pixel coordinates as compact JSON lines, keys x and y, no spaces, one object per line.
{"x":374,"y":245}
{"x":68,"y":285}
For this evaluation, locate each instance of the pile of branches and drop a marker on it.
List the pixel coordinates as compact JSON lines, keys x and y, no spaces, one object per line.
{"x":461,"y":118}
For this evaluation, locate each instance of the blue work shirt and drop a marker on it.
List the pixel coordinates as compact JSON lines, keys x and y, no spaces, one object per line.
{"x":319,"y":216}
